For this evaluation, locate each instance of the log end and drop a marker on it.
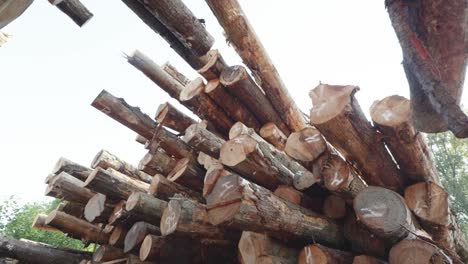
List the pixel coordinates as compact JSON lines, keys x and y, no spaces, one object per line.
{"x":179,"y":169}
{"x":429,"y":202}
{"x":233,"y":74}
{"x":335,"y":173}
{"x":192,"y":89}
{"x":133,"y":201}
{"x":329,"y":101}
{"x":416,"y":251}
{"x":236,"y":150}
{"x":391,"y":111}
{"x":225,"y":199}
{"x":170,"y":217}
{"x":305,"y":145}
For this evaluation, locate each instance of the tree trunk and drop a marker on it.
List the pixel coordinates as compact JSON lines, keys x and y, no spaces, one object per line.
{"x":164,"y":189}
{"x":71,"y":208}
{"x":117,"y":237}
{"x":149,"y":208}
{"x":237,"y":203}
{"x":39,"y":223}
{"x":271,"y":133}
{"x":318,"y":254}
{"x":237,"y":81}
{"x":392,"y":117}
{"x":98,"y":209}
{"x":202,"y":140}
{"x":338,"y":116}
{"x":169,"y":116}
{"x":140,"y":139}
{"x":334,"y":207}
{"x":105,"y":160}
{"x":363,"y":259}
{"x":157,"y":162}
{"x":64,"y":186}
{"x":169,"y":249}
{"x":241,"y":35}
{"x":416,"y":251}
{"x":212,"y":175}
{"x":260,"y":248}
{"x":137,"y":234}
{"x":74,"y":169}
{"x":171,"y":144}
{"x":127,"y":115}
{"x":188,"y":173}
{"x":107,"y":253}
{"x":74,"y":9}
{"x":215,"y":64}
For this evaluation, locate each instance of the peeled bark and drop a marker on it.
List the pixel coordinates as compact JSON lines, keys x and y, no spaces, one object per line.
{"x":334,"y":207}
{"x":164,"y":189}
{"x":241,"y":35}
{"x":169,"y":116}
{"x":107,"y":253}
{"x":149,"y":208}
{"x":214,"y":172}
{"x":64,"y":186}
{"x":271,"y":133}
{"x":338,"y":116}
{"x":157,"y":162}
{"x":121,"y":217}
{"x":104,"y":159}
{"x":188,"y":173}
{"x":363,"y":259}
{"x":137,"y":234}
{"x":318,"y":254}
{"x":74,"y":9}
{"x":260,"y":248}
{"x":417,"y":251}
{"x":39,"y":223}
{"x":215,"y":64}
{"x":202,"y":140}
{"x":98,"y":209}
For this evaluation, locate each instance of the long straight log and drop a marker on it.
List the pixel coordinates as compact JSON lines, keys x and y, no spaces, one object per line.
{"x":338,"y":116}
{"x":127,"y":115}
{"x":157,"y":162}
{"x":176,"y":74}
{"x":242,"y":36}
{"x":271,"y":133}
{"x":169,"y":249}
{"x":39,"y":223}
{"x":74,"y":169}
{"x":169,"y":116}
{"x":215,"y":64}
{"x":188,"y":173}
{"x":164,"y":189}
{"x":324,"y":255}
{"x":171,"y":144}
{"x":137,"y":234}
{"x":202,"y":140}
{"x":237,"y":203}
{"x":72,"y":208}
{"x":74,"y":9}
{"x":64,"y":186}
{"x":294,"y":196}
{"x":98,"y":209}
{"x":104,"y":159}
{"x":260,"y":248}
{"x":107,"y":253}
{"x":117,"y":237}
{"x":147,"y":206}
{"x":237,"y":81}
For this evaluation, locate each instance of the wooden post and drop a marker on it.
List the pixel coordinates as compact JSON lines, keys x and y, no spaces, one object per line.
{"x":188,"y":173}
{"x":74,"y":169}
{"x":316,"y":253}
{"x":104,"y":159}
{"x":65,"y":186}
{"x":167,"y":249}
{"x":200,"y":139}
{"x":260,"y":248}
{"x":271,"y":133}
{"x":98,"y":209}
{"x":157,"y":162}
{"x":354,"y":137}
{"x":107,"y":253}
{"x":240,"y":204}
{"x":417,"y":251}
{"x":137,"y":234}
{"x":74,"y":9}
{"x":149,"y":208}
{"x":164,"y":189}
{"x":169,"y":116}
{"x":121,"y":217}
{"x":127,"y":115}
{"x":241,"y":35}
{"x":39,"y":223}
{"x":237,"y":81}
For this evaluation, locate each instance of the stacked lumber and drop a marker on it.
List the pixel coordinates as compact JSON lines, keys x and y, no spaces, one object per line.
{"x":251,"y":180}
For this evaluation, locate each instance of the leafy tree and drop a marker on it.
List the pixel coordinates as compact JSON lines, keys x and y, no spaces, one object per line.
{"x":451,"y":159}
{"x":16,"y":221}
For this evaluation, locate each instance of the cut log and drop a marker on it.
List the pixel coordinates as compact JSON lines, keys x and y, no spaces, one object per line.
{"x":137,"y":234}
{"x":363,"y":259}
{"x":157,"y":162}
{"x":127,"y":115}
{"x":74,"y":169}
{"x":392,"y":117}
{"x":237,"y":81}
{"x":215,"y":64}
{"x":305,"y":145}
{"x":64,"y":186}
{"x":240,"y":204}
{"x":164,"y":189}
{"x":171,"y":144}
{"x":39,"y":223}
{"x":104,"y":159}
{"x":296,"y":197}
{"x":318,"y":254}
{"x":241,"y":35}
{"x":338,"y":116}
{"x":77,"y":228}
{"x":178,"y":18}
{"x":212,"y":175}
{"x":169,"y":116}
{"x":113,"y":184}
{"x":202,"y":140}
{"x":188,"y":173}
{"x":28,"y":252}
{"x":260,"y":248}
{"x":176,"y":74}
{"x":121,"y":217}
{"x":169,"y":248}
{"x":239,"y":129}
{"x":218,"y":251}
{"x":147,"y":206}
{"x":235,"y":109}
{"x":72,"y":208}
{"x":98,"y":209}
{"x":271,"y":133}
{"x":117,"y":237}
{"x":417,"y":251}
{"x":334,"y":207}
{"x":74,"y":9}
{"x":207,"y":161}
{"x":140,"y":139}
{"x":107,"y":253}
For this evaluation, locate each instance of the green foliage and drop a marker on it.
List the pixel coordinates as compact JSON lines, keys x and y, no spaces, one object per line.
{"x":451,"y":158}
{"x":16,"y":221}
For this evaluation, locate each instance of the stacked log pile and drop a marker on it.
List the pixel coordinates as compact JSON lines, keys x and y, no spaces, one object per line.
{"x":254,"y":180}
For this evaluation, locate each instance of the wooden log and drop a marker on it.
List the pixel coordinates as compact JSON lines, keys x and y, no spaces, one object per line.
{"x":338,"y":116}
{"x":416,"y":251}
{"x":147,"y":206}
{"x":107,"y":253}
{"x":98,"y":209}
{"x":157,"y":162}
{"x":334,"y":207}
{"x":241,"y":35}
{"x":317,"y":253}
{"x":171,"y":144}
{"x":294,"y":196}
{"x":74,"y":169}
{"x":77,"y":228}
{"x":39,"y":223}
{"x":237,"y":81}
{"x":28,"y":252}
{"x":113,"y":184}
{"x":271,"y":133}
{"x":392,"y":117}
{"x":214,"y":172}
{"x":215,"y":64}
{"x":305,"y":145}
{"x":164,"y":189}
{"x":117,"y":237}
{"x":64,"y":186}
{"x":260,"y":248}
{"x":105,"y":160}
{"x":207,"y":161}
{"x":169,"y":116}
{"x":74,"y":9}
{"x":137,"y":234}
{"x":178,"y":18}
{"x":235,"y":109}
{"x":218,"y":251}
{"x":121,"y":217}
{"x":72,"y":208}
{"x":188,"y":173}
{"x":364,"y":259}
{"x":140,"y":139}
{"x":176,"y":74}
{"x":200,"y":139}
{"x":169,"y":249}
{"x":127,"y":115}
{"x":240,"y":204}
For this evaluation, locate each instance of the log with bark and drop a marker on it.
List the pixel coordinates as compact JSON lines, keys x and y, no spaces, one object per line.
{"x":215,"y":64}
{"x":305,"y":145}
{"x":260,"y":248}
{"x":39,"y":223}
{"x":98,"y":209}
{"x":146,"y":206}
{"x":74,"y":9}
{"x":170,"y":143}
{"x":202,"y":140}
{"x":137,"y":234}
{"x":117,"y":237}
{"x":72,"y":208}
{"x":157,"y":162}
{"x":189,"y":173}
{"x":171,"y":117}
{"x":74,"y":169}
{"x":319,"y":254}
{"x":271,"y":133}
{"x":169,"y":249}
{"x":241,"y":35}
{"x":338,"y":116}
{"x":64,"y":186}
{"x":364,"y":259}
{"x":417,"y":251}
{"x":164,"y":189}
{"x":121,"y":217}
{"x":107,"y":253}
{"x":294,"y":196}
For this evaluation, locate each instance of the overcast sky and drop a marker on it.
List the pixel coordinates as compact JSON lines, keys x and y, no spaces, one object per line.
{"x":51,"y":70}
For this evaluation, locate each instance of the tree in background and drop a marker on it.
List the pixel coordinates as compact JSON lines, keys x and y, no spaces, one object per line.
{"x":451,"y":157}
{"x":16,"y":221}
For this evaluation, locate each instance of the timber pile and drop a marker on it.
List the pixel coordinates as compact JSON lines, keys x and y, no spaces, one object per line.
{"x":253,"y":180}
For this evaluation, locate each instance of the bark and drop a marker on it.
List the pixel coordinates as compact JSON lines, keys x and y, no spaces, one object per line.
{"x":188,"y":173}
{"x":334,"y":207}
{"x":127,"y":115}
{"x":164,"y":189}
{"x":317,"y":253}
{"x":363,"y":259}
{"x":64,"y":186}
{"x":104,"y":159}
{"x":157,"y":162}
{"x":260,"y":248}
{"x":117,"y":237}
{"x":215,"y":64}
{"x":74,"y":9}
{"x":417,"y":251}
{"x":98,"y":209}
{"x":241,"y":35}
{"x":238,"y":82}
{"x":72,"y":208}
{"x":202,"y":140}
{"x":113,"y":184}
{"x":305,"y":145}
{"x":39,"y":223}
{"x":392,"y":117}
{"x":239,"y":204}
{"x":271,"y":133}
{"x":121,"y":217}
{"x":169,"y":116}
{"x":107,"y":253}
{"x":74,"y":169}
{"x":338,"y":116}
{"x":176,"y":74}
{"x":169,"y":249}
{"x":36,"y":253}
{"x":170,"y":143}
{"x":296,"y":197}
{"x":149,"y":208}
{"x":77,"y":228}
{"x":137,"y":234}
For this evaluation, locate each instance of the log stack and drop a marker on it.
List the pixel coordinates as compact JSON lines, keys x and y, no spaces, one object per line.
{"x":250,"y":180}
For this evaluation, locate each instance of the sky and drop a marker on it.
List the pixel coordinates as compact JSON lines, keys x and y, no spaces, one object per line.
{"x":51,"y":70}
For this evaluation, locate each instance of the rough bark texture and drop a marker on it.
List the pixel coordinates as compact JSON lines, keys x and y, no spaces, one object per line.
{"x":338,"y":116}
{"x":202,"y":140}
{"x":71,"y":208}
{"x":318,"y":254}
{"x":417,"y":251}
{"x":147,"y":206}
{"x":121,"y":217}
{"x":271,"y":133}
{"x":74,"y":169}
{"x":169,"y":116}
{"x":241,"y":35}
{"x":107,"y":253}
{"x":188,"y":173}
{"x":171,"y":144}
{"x":260,"y":248}
{"x":64,"y":186}
{"x":39,"y":223}
{"x":117,"y":237}
{"x":157,"y":162}
{"x":176,"y":74}
{"x":74,"y":9}
{"x":105,"y":160}
{"x":164,"y":189}
{"x":137,"y":234}
{"x":215,"y":64}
